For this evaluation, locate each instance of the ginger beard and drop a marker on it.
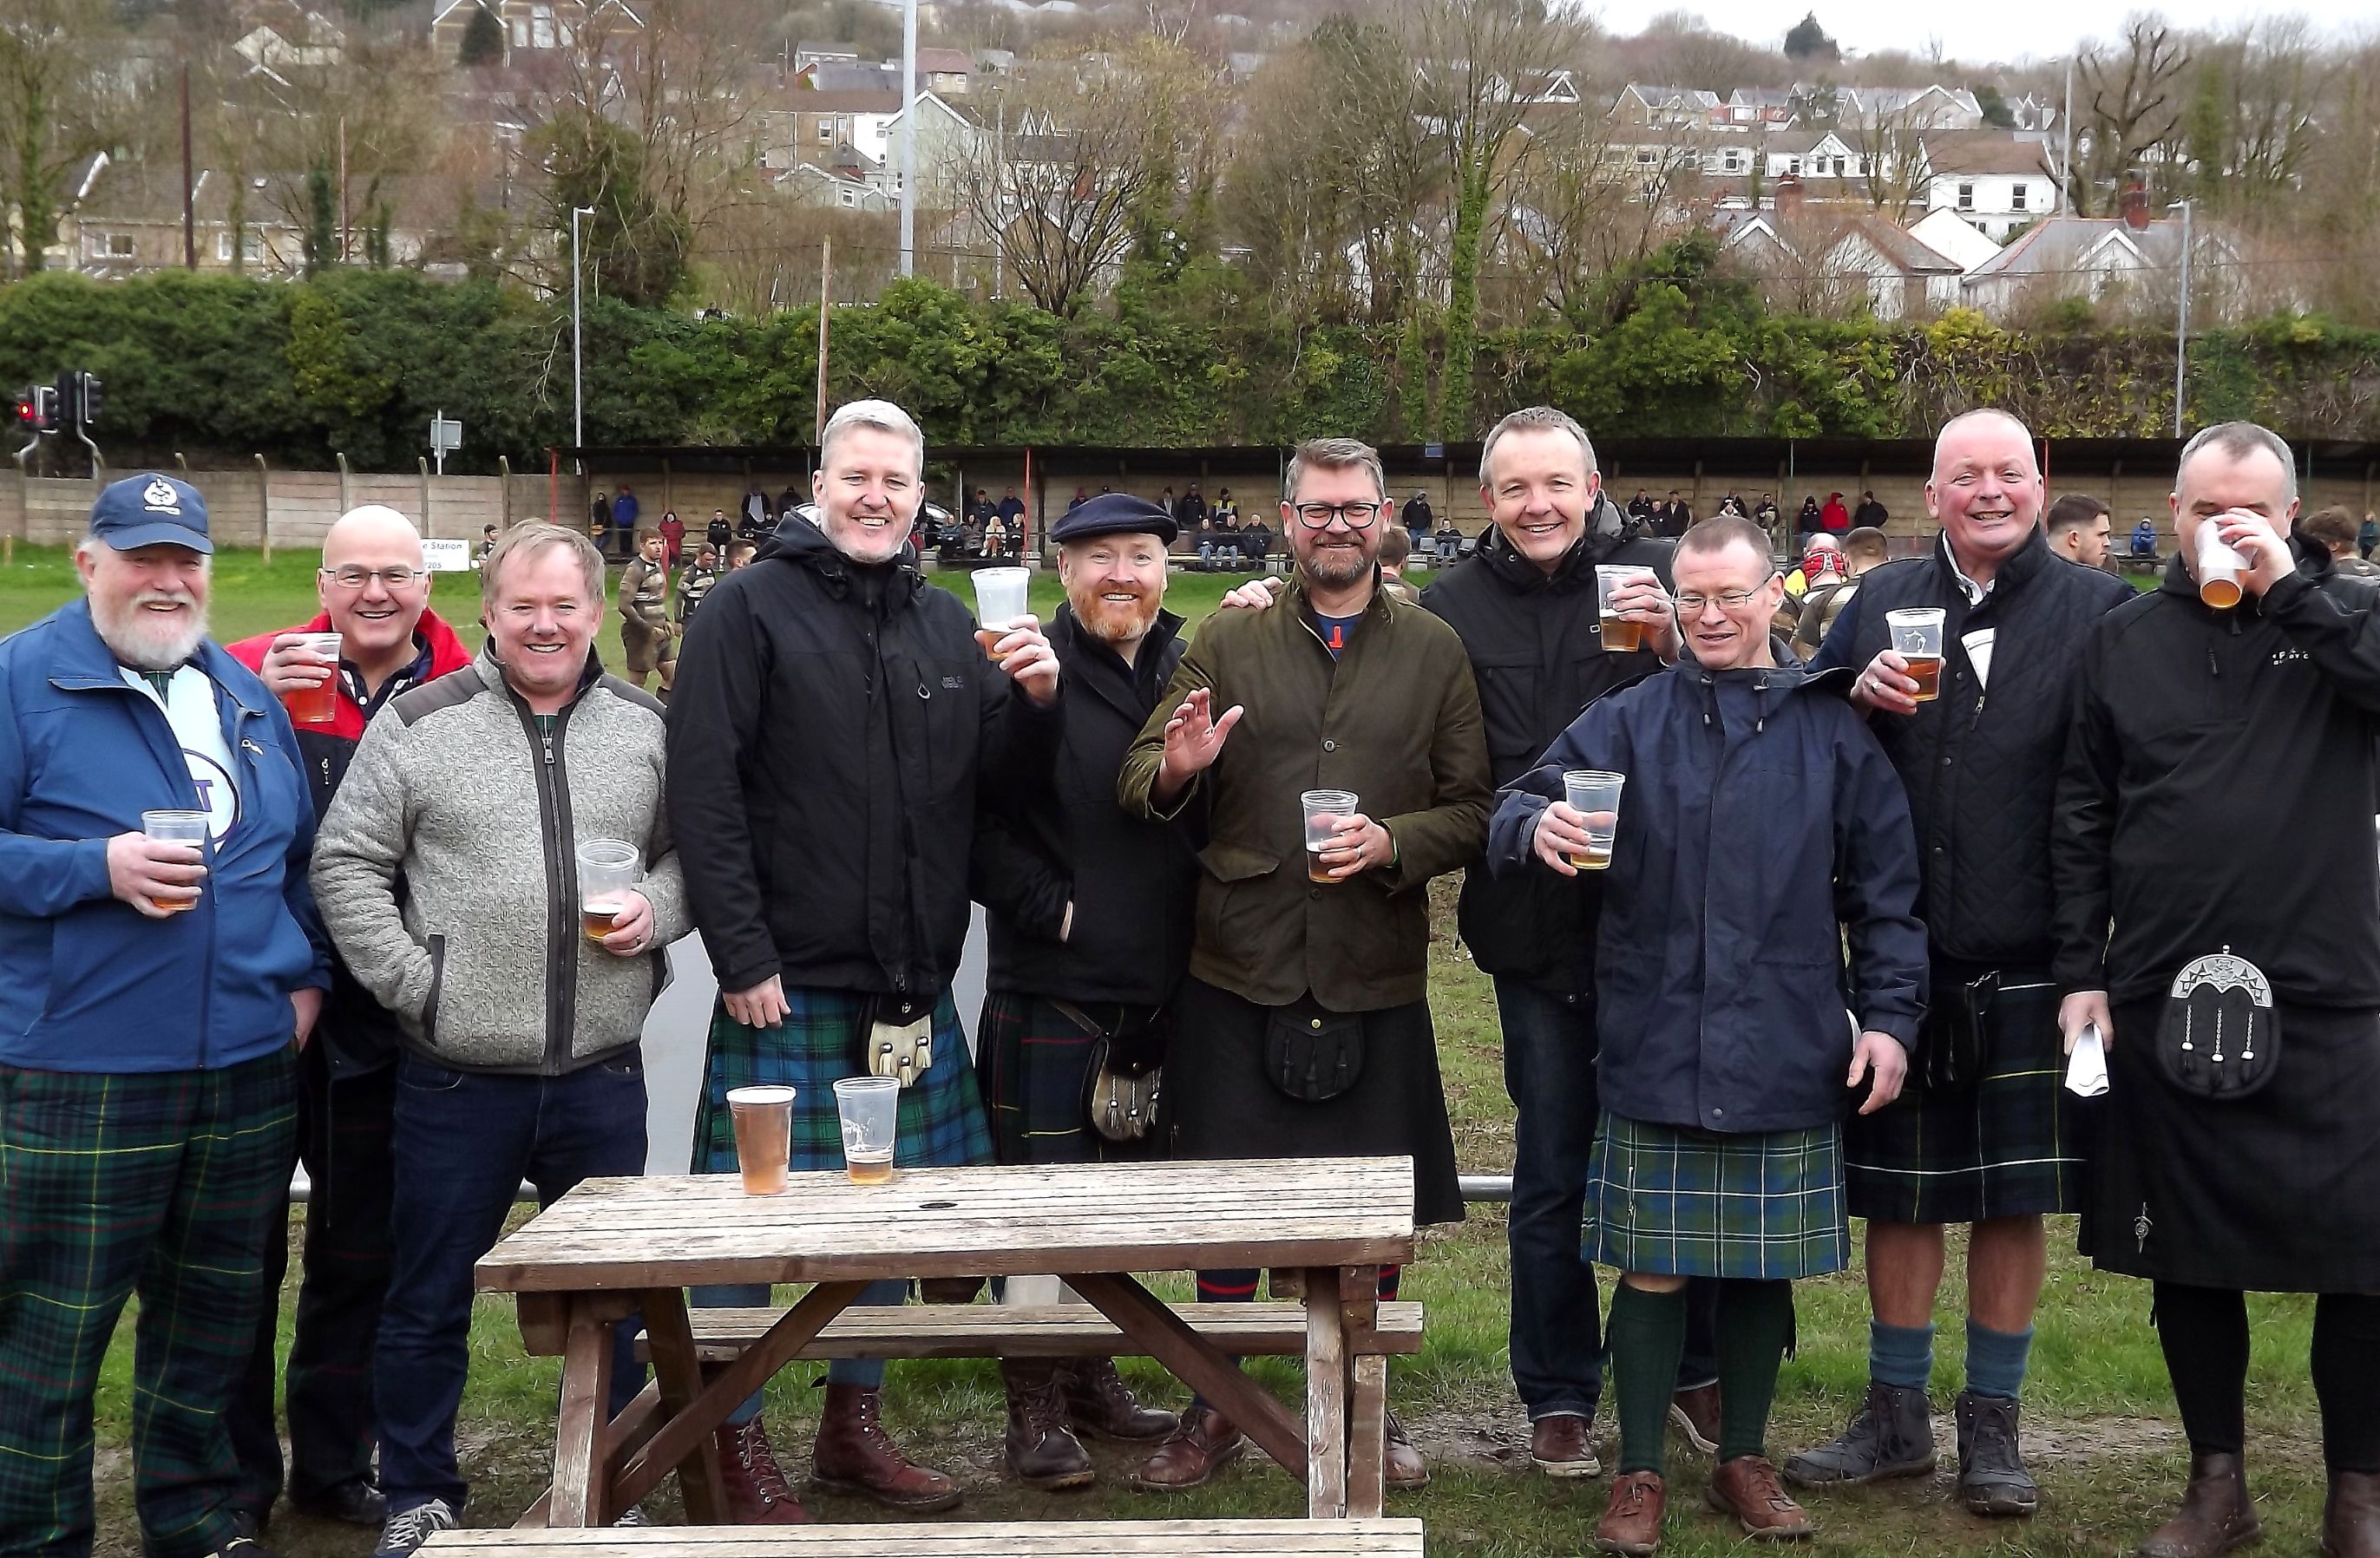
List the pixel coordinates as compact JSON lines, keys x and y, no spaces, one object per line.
{"x":1115,"y":585}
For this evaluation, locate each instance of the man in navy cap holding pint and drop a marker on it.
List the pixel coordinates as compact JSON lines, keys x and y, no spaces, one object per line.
{"x":159,"y":966}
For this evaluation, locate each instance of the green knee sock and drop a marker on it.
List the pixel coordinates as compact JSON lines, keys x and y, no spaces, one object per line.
{"x":1755,"y":1321}
{"x":1648,"y":1336}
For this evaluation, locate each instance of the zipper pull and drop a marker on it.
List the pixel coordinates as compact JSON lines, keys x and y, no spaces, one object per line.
{"x":2212,"y":669}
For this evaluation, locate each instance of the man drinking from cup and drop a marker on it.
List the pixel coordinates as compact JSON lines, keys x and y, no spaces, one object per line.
{"x":1354,"y":691}
{"x":1090,"y":934}
{"x":375,"y":597}
{"x":154,"y":995}
{"x":2219,"y":923}
{"x":836,"y":727}
{"x":1984,"y":1134}
{"x":1720,"y":987}
{"x":449,"y":875}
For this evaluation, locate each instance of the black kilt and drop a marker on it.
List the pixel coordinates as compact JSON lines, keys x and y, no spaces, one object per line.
{"x":2278,"y":1192}
{"x":2009,"y":1146}
{"x":1224,"y":1107}
{"x":1033,"y":1063}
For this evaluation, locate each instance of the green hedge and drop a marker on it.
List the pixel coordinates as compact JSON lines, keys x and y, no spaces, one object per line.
{"x":356,"y":361}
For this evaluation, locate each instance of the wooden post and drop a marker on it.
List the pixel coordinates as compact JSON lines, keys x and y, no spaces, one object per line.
{"x":342,"y":458}
{"x":826,"y":305}
{"x":264,"y":508}
{"x":504,"y":494}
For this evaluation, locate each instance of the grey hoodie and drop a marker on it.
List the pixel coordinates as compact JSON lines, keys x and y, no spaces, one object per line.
{"x":445,"y":869}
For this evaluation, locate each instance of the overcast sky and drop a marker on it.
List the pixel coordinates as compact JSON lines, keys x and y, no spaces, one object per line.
{"x":1974,"y":31}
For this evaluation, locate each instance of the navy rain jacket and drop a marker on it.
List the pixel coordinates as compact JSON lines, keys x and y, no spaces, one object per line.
{"x":1759,"y":814}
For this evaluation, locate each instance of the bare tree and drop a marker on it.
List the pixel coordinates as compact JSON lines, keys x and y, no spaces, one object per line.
{"x":57,"y":107}
{"x":2132,"y":102}
{"x":1482,"y":64}
{"x":359,"y":123}
{"x":1064,"y":180}
{"x":2251,"y":122}
{"x":1585,"y":207}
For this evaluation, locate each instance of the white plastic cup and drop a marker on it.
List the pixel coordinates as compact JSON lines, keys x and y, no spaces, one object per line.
{"x":999,"y":602}
{"x":1323,"y":809}
{"x":2219,"y":567}
{"x":1593,"y":793}
{"x":607,"y":869}
{"x":175,"y":825}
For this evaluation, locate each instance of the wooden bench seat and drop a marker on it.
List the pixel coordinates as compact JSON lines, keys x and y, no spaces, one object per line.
{"x":1259,"y":1330}
{"x":1013,"y":1539}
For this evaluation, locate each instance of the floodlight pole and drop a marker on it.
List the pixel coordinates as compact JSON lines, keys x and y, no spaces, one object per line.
{"x":909,"y":135}
{"x":2181,"y":321}
{"x":578,"y":369}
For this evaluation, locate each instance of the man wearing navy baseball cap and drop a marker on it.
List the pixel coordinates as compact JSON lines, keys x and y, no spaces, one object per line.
{"x":153,"y":997}
{"x":1090,"y":934}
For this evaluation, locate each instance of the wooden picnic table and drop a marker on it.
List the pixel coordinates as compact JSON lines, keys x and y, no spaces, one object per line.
{"x":613,"y":1246}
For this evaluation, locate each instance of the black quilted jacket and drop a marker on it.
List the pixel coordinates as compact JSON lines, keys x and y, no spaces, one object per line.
{"x":1982,"y":769}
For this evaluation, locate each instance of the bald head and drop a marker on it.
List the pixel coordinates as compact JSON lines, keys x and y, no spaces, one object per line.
{"x":1986,"y":490}
{"x":374,"y":617}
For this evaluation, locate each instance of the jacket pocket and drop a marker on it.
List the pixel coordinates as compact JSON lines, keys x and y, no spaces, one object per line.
{"x":1227,"y":862}
{"x":437,"y":986}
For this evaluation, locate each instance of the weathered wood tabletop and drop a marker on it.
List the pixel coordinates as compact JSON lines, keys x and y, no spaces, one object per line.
{"x":612,"y":1245}
{"x":1033,"y":1538}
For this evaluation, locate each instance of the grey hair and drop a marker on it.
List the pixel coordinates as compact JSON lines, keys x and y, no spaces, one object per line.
{"x":1336,"y":454}
{"x":534,"y":537}
{"x":880,"y":414}
{"x":2240,"y":440}
{"x":1535,"y":416}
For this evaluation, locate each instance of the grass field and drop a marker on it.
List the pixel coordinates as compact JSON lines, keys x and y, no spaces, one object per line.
{"x":2099,"y":1414}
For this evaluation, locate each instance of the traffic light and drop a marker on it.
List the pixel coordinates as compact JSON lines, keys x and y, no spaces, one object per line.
{"x":87,"y":413}
{"x":37,"y":409}
{"x":63,"y":403}
{"x":73,"y":401}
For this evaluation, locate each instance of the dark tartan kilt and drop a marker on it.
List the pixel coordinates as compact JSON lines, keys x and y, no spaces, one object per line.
{"x":2009,"y":1146}
{"x":942,"y":1120}
{"x":1033,"y":1063}
{"x":1668,"y":1200}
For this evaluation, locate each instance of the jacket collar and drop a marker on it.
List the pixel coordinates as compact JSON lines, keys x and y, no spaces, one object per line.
{"x":491,"y":671}
{"x":2014,"y":570}
{"x":1576,"y":568}
{"x":83,"y":662}
{"x":799,"y":542}
{"x":1131,"y":690}
{"x":1299,"y":600}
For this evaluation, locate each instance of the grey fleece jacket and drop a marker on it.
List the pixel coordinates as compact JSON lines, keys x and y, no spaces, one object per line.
{"x":445,"y":870}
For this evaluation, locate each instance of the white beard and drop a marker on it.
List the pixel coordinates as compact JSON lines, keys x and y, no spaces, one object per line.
{"x":143,"y":644}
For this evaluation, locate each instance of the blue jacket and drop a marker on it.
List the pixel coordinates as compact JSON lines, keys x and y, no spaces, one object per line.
{"x":1759,"y":814}
{"x":87,"y":982}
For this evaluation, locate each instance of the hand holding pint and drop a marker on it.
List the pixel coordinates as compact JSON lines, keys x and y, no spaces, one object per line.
{"x":1323,"y":809}
{"x":607,"y":869}
{"x":1917,"y":639}
{"x":1593,"y":794}
{"x":2219,"y":567}
{"x":297,"y":658}
{"x":1622,"y":633}
{"x":160,"y":869}
{"x":999,"y":602}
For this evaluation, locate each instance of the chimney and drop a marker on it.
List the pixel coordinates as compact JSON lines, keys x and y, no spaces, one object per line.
{"x":2136,"y":206}
{"x":1789,"y":196}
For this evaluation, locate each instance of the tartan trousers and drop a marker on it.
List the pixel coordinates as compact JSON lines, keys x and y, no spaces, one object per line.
{"x":163,"y":1184}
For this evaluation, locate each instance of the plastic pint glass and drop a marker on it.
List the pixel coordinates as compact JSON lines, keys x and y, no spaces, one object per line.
{"x":764,"y":1135}
{"x":1621,"y":635}
{"x":175,"y":828}
{"x":607,"y":869}
{"x":1323,"y":809}
{"x":999,"y":602}
{"x":1917,"y":638}
{"x":870,"y":1111}
{"x":317,"y":705}
{"x":1595,"y":795}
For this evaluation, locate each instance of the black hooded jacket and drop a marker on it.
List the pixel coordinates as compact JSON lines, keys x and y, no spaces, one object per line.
{"x":1981,"y":763}
{"x":828,"y":733}
{"x":1536,"y":649}
{"x":2218,"y":790}
{"x":1133,"y":882}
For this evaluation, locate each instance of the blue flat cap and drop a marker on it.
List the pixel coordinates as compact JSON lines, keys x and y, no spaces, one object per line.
{"x":151,"y":509}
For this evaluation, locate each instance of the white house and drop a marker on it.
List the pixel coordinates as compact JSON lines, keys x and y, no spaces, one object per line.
{"x":1954,"y":237}
{"x":1836,"y":260}
{"x":1995,"y":182}
{"x":2105,"y":260}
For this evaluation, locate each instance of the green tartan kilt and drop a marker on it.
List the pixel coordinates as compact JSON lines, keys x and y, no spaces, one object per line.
{"x":941,"y":1121}
{"x":1671,"y":1202}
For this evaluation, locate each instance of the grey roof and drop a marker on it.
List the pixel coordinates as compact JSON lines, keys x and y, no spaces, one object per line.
{"x":854,"y":79}
{"x":1949,"y":151}
{"x":2059,"y":245}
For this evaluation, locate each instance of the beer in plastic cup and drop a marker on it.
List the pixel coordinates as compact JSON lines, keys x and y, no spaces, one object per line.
{"x":1621,"y":635}
{"x":871,"y":1109}
{"x":607,"y":869}
{"x":317,"y":705}
{"x":1595,"y":794}
{"x":2219,"y":567}
{"x":764,"y":1135}
{"x":999,"y":602}
{"x":1323,"y":810}
{"x":176,"y":827}
{"x":1917,"y":638}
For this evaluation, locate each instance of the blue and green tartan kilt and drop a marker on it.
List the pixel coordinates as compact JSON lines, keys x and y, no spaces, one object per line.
{"x":1671,"y":1202}
{"x":941,"y":1122}
{"x":1036,"y":1064}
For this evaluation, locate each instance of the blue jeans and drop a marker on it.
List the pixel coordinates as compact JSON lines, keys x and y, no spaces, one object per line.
{"x":463,"y":1143}
{"x":864,"y":1371}
{"x":1550,"y":1056}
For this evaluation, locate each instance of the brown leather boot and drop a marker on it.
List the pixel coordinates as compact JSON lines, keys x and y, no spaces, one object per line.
{"x":1562,"y":1445}
{"x":1632,"y":1517}
{"x":1695,"y":1411}
{"x":757,"y":1494}
{"x":1747,"y":1488}
{"x":1099,"y":1403}
{"x":1041,"y":1453}
{"x":854,"y":1455}
{"x":2216,"y":1515}
{"x":1205,"y":1444}
{"x":2350,"y":1515}
{"x":1402,"y":1465}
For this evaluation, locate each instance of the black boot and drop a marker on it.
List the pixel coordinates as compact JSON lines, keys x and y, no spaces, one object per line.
{"x":1891,"y":1435}
{"x":1042,"y":1452}
{"x":1992,"y":1478}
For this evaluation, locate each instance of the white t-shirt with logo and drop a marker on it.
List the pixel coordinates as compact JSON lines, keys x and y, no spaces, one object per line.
{"x":198,"y":730}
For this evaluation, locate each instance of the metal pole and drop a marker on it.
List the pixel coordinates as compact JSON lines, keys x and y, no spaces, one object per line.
{"x":909,"y":135}
{"x":826,"y":302}
{"x":2181,"y":324}
{"x":189,"y":189}
{"x":578,"y":369}
{"x":2067,"y":163}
